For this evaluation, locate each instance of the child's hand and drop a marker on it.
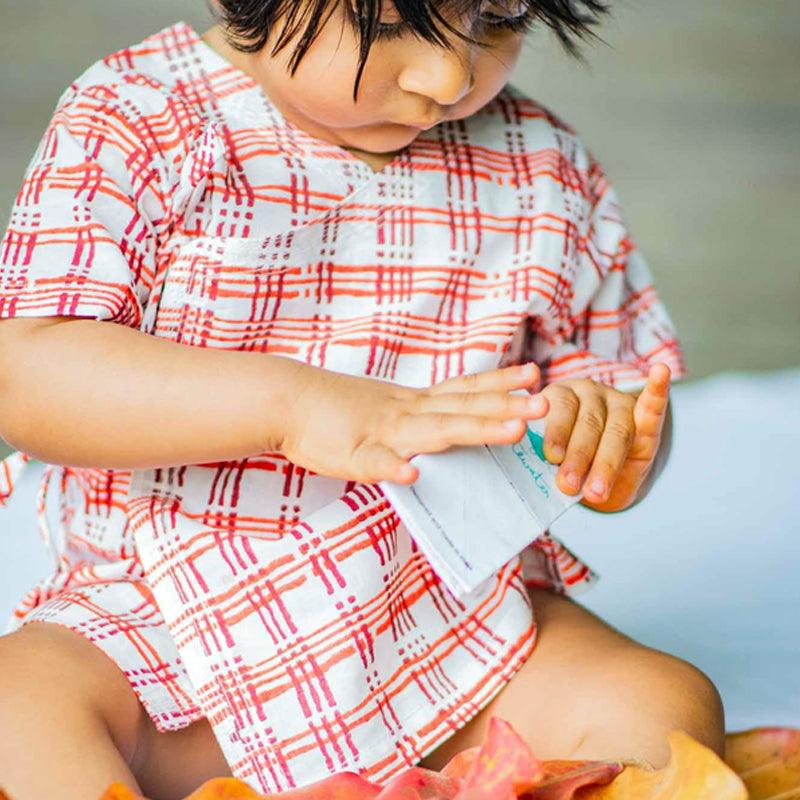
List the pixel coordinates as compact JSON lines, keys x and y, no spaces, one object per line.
{"x":616,"y":433}
{"x":366,"y":430}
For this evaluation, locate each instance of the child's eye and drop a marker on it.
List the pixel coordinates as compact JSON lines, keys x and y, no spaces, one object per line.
{"x":493,"y":23}
{"x":494,"y":18}
{"x":390,"y":30}
{"x":498,"y":17}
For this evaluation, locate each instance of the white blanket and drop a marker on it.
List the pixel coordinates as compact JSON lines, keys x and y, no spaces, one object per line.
{"x":707,"y":567}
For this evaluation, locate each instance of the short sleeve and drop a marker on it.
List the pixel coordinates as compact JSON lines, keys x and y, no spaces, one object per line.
{"x":82,"y":235}
{"x":11,"y":468}
{"x":609,"y":323}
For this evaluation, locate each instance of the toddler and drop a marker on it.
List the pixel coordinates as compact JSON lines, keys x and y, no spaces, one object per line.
{"x":250,"y":274}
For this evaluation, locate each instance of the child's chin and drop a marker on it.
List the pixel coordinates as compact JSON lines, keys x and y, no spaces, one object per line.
{"x":389,"y":138}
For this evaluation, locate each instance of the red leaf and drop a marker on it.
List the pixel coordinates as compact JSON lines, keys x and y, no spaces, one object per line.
{"x":460,"y":764}
{"x":342,"y":786}
{"x":417,"y":783}
{"x":504,"y":767}
{"x":562,"y":779}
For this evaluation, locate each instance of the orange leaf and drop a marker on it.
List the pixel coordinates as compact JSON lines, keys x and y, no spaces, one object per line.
{"x":117,"y":791}
{"x":694,"y":772}
{"x":222,"y":789}
{"x":503,"y":768}
{"x":767,"y":760}
{"x":562,"y":779}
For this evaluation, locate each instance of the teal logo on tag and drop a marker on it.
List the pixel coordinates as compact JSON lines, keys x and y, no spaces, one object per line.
{"x":537,"y":443}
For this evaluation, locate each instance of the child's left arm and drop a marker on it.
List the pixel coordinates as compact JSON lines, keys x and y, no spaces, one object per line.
{"x":608,"y":352}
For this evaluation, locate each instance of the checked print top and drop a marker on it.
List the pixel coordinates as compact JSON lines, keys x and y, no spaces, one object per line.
{"x":294,"y":610}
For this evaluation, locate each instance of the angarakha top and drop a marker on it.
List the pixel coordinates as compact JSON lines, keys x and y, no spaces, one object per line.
{"x":291,"y":609}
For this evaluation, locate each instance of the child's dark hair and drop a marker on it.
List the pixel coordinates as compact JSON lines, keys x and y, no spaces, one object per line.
{"x":249,"y":23}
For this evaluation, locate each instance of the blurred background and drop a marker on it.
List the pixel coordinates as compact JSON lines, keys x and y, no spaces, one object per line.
{"x":693,"y":109}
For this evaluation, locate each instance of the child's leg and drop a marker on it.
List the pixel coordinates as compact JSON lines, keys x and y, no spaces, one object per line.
{"x":70,"y":725}
{"x":590,"y":692}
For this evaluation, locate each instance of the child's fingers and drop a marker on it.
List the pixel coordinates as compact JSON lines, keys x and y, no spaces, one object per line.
{"x":584,"y":441}
{"x":434,"y":432}
{"x":564,"y":406}
{"x":651,"y":404}
{"x":612,"y":452}
{"x":376,"y":462}
{"x":496,"y":405}
{"x":505,"y":379}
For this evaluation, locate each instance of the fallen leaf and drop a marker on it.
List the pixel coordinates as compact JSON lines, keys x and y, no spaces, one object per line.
{"x":222,"y":789}
{"x":767,"y":760}
{"x":342,"y":786}
{"x":694,"y":772}
{"x":503,"y":768}
{"x":562,"y":779}
{"x":459,"y":765}
{"x":417,"y":783}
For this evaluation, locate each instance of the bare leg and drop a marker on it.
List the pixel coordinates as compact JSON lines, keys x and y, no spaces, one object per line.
{"x":70,"y":725}
{"x":587,"y":691}
{"x":590,"y":692}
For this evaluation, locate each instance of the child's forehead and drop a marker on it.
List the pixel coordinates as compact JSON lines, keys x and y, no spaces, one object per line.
{"x":411,"y":9}
{"x":435,"y":7}
{"x":250,"y":24}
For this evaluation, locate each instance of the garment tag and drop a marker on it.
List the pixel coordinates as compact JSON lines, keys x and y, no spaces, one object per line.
{"x":472,"y":509}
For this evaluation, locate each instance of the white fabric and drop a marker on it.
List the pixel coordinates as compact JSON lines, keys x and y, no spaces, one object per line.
{"x":707,"y":567}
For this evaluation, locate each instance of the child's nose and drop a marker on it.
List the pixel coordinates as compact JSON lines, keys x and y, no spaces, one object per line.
{"x":441,"y":74}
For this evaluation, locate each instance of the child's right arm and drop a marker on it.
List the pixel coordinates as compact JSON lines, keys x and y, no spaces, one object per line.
{"x":90,"y":393}
{"x":106,"y":186}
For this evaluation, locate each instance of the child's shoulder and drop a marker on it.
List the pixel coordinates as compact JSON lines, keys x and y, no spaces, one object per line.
{"x":144,"y":82}
{"x":149,"y":106}
{"x":541,"y":141}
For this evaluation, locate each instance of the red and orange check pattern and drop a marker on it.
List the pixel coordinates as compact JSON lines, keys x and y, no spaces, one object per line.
{"x":291,"y":609}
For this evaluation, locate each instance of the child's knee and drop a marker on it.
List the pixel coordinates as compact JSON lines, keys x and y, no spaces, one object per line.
{"x":50,"y":675}
{"x":653,"y":693}
{"x":37,"y":672}
{"x":696,"y":704}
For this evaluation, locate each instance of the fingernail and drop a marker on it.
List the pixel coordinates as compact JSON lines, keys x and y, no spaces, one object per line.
{"x":511,"y":424}
{"x":597,"y":487}
{"x":573,"y":480}
{"x":557,"y":451}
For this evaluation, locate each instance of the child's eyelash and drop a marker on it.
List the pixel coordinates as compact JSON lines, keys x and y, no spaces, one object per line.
{"x":518,"y":24}
{"x":390,"y":30}
{"x":394,"y":30}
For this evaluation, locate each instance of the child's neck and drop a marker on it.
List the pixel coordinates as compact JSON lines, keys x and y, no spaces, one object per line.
{"x":375,"y":160}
